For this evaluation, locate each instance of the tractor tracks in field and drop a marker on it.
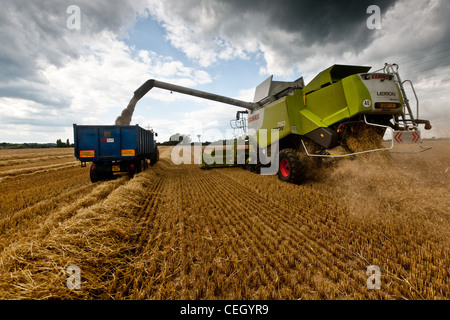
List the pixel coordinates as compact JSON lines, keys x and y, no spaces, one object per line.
{"x":339,"y":247}
{"x":202,"y":233}
{"x":148,"y":238}
{"x":288,"y":249}
{"x":231,"y":234}
{"x":303,"y":237}
{"x":147,"y":212}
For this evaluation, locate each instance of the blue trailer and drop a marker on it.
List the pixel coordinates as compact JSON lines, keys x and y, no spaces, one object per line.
{"x":114,"y":149}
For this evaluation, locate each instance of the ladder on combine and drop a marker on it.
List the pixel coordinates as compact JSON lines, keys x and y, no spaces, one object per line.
{"x":408,"y":124}
{"x":240,"y":125}
{"x":407,"y":121}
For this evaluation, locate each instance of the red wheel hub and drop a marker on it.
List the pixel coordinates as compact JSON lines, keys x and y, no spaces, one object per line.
{"x":285,"y":168}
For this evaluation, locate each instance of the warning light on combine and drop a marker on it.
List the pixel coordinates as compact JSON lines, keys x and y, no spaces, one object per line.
{"x":341,"y":128}
{"x":387,"y":105}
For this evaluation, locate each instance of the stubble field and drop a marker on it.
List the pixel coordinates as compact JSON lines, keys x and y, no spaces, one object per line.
{"x":179,"y":232}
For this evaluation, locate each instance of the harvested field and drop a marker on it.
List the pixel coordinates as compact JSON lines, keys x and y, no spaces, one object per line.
{"x":179,"y":232}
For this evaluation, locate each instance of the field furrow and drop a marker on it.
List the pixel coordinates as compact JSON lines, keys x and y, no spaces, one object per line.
{"x":276,"y":231}
{"x":179,"y":232}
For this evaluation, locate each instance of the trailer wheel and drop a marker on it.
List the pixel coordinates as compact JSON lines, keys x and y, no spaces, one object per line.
{"x":93,"y":173}
{"x":154,"y":157}
{"x":142,"y":165}
{"x":290,"y":168}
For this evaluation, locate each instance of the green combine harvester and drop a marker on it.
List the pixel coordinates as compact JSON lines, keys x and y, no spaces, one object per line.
{"x":290,"y":123}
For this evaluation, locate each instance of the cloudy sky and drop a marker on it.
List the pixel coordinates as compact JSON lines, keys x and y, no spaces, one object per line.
{"x":56,"y":70}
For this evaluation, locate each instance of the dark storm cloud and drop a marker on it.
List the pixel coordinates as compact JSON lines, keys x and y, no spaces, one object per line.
{"x":318,"y":21}
{"x":32,"y":30}
{"x":35,"y":33}
{"x":285,"y":32}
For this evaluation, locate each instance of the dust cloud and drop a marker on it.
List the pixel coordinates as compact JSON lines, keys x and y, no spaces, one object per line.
{"x":394,"y":187}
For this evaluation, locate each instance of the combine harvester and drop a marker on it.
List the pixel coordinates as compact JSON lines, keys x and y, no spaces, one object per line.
{"x":312,"y":121}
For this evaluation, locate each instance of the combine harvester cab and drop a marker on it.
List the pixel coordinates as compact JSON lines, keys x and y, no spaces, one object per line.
{"x":114,"y":149}
{"x":291,"y":125}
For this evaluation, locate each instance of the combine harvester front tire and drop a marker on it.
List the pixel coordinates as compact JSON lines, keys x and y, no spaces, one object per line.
{"x":290,"y":166}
